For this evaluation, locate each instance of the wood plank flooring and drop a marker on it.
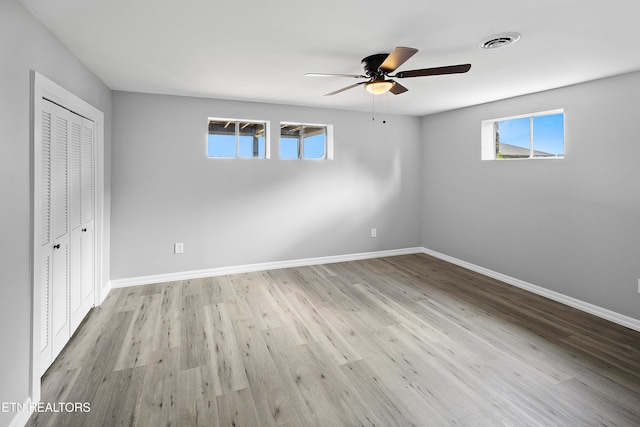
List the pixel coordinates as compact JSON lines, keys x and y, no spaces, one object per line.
{"x":398,"y":341}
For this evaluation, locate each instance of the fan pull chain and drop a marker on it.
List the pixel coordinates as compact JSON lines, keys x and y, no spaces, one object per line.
{"x":373,"y":107}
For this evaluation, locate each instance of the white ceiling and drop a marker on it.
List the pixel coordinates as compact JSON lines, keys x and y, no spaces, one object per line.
{"x":259,"y":50}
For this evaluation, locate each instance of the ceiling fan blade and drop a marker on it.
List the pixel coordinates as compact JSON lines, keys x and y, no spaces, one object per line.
{"x":344,"y":88}
{"x":397,"y":89}
{"x":396,"y":58}
{"x":357,"y":76}
{"x":451,"y":69}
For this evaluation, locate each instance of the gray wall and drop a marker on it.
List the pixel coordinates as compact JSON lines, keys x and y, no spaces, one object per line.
{"x":231,"y":212}
{"x":26,"y":45}
{"x":572,"y":225}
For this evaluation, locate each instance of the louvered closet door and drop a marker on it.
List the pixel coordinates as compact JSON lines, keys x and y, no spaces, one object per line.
{"x":62,"y":128}
{"x":46,"y":242}
{"x":67,"y":222}
{"x":82,"y":221}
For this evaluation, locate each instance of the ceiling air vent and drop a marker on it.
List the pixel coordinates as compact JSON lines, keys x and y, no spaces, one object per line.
{"x":499,"y":40}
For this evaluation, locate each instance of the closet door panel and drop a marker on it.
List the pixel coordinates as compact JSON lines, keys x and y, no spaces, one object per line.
{"x":87,"y":244}
{"x":45,"y":259}
{"x":59,"y":306}
{"x":82,"y":202}
{"x":75,"y":196}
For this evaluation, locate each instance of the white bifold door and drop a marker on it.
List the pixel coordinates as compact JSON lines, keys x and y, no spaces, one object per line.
{"x":67,"y":227}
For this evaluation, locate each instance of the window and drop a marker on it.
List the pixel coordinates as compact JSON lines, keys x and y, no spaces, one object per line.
{"x":230,"y":138}
{"x":533,"y":136}
{"x":305,"y":141}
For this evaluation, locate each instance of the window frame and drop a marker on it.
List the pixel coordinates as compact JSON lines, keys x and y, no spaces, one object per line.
{"x":237,"y":122}
{"x":488,"y":136}
{"x":328,"y":141}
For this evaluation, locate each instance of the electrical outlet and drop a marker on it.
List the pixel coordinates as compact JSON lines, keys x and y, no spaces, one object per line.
{"x":374,"y":232}
{"x":178,"y":248}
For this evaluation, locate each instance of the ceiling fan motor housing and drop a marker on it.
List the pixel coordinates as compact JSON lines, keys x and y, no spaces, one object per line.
{"x":372,"y":64}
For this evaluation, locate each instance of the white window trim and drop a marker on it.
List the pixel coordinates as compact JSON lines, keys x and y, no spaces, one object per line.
{"x":488,"y":135}
{"x":328,"y":154}
{"x":267,"y":138}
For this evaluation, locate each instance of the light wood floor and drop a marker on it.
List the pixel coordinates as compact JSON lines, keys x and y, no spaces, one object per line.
{"x":407,"y":340}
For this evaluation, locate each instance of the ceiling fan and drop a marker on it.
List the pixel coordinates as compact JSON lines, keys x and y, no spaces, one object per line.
{"x":378,"y":69}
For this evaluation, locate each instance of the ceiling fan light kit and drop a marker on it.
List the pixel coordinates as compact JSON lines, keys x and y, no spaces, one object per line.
{"x":378,"y":87}
{"x":379,"y":68}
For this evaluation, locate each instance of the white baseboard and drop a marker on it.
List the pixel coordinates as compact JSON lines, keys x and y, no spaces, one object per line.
{"x":220,"y":271}
{"x":21,"y":417}
{"x":612,"y":316}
